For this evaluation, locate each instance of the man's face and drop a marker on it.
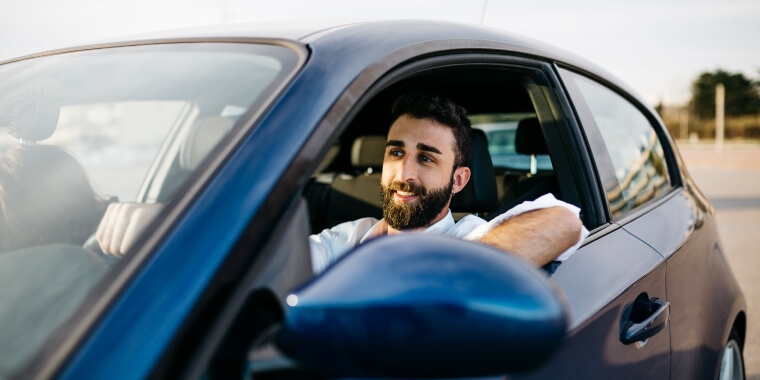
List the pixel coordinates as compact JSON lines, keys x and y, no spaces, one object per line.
{"x":418,"y":173}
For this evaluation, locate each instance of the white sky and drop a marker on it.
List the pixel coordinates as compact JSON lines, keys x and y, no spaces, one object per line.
{"x":656,"y":46}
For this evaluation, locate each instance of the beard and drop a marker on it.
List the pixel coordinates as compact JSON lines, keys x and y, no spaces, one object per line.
{"x":404,"y":216}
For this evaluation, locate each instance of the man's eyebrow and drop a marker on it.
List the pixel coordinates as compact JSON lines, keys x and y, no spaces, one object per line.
{"x":428,"y":148}
{"x":420,"y":146}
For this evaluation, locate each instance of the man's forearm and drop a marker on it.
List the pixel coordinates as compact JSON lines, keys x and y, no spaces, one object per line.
{"x":538,"y":236}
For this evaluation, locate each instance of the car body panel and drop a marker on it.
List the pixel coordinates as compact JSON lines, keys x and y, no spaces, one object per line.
{"x":700,"y":330}
{"x":594,"y":350}
{"x":693,"y":249}
{"x":600,"y":288}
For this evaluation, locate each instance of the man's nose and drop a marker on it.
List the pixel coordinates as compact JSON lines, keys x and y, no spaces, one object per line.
{"x":407,"y":170}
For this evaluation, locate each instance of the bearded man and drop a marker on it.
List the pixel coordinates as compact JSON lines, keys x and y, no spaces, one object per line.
{"x":425,"y":164}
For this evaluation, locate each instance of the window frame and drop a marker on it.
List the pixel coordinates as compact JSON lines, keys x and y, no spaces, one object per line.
{"x":571,"y":159}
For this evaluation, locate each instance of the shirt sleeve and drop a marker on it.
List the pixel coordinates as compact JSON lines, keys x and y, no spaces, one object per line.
{"x":545,"y":201}
{"x":330,"y":244}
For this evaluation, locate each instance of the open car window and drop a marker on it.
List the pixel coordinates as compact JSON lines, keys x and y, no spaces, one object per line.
{"x":346,"y":185}
{"x":82,"y":131}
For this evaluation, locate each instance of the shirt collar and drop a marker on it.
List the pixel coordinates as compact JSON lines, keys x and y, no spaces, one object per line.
{"x":440,"y":227}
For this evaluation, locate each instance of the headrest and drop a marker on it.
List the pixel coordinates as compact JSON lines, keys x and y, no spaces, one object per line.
{"x":204,"y":135}
{"x":368,"y":152}
{"x":529,"y":139}
{"x":31,"y":113}
{"x":480,"y":194}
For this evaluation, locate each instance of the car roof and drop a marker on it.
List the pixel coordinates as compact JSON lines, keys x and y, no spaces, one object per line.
{"x":396,"y":34}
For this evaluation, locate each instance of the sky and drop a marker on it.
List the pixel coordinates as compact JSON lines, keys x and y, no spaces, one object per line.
{"x":658,"y":47}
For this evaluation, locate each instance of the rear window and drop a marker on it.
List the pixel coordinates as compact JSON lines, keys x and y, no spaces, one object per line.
{"x":500,"y":130}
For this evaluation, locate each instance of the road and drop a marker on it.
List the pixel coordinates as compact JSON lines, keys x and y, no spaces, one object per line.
{"x":731,"y":179}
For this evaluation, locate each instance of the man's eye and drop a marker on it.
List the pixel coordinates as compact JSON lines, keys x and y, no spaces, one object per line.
{"x":424,"y":158}
{"x":396,"y":153}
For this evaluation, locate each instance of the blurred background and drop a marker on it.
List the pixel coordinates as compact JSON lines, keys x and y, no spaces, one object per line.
{"x":675,"y":53}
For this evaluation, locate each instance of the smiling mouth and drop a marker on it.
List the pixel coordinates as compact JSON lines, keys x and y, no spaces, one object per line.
{"x":404,"y":196}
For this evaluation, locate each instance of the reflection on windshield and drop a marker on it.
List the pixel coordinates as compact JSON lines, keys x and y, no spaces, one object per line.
{"x":81,"y":133}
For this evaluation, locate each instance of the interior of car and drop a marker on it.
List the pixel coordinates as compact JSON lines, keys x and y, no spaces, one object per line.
{"x":510,"y":163}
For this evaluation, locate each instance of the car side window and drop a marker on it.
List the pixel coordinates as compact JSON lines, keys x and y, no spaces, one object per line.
{"x":632,"y":145}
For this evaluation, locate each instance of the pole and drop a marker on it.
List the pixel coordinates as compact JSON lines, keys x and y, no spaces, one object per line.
{"x":483,"y":13}
{"x":720,"y":98}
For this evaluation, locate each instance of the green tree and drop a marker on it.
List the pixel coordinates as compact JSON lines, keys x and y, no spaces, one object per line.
{"x":742,"y":97}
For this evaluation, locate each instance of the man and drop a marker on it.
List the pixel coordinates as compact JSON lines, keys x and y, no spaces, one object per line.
{"x":425,"y":164}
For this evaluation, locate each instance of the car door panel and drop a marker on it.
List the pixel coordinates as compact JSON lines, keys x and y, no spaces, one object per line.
{"x":706,"y":299}
{"x":697,"y":270}
{"x":607,"y":271}
{"x":667,"y":226}
{"x":600,"y":280}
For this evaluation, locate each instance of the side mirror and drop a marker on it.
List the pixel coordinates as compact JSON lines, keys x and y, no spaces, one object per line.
{"x":424,"y":306}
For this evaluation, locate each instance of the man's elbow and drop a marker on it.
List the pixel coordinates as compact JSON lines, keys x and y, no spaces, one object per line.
{"x":569,"y":223}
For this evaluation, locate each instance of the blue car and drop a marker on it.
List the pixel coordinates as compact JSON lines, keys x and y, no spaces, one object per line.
{"x":218,"y":151}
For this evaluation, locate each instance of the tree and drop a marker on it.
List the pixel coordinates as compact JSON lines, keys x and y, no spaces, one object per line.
{"x":742,"y":97}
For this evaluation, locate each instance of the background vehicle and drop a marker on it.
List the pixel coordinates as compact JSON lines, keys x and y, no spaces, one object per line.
{"x":246,"y":138}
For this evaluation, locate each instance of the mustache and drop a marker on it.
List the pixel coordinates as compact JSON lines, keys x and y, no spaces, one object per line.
{"x":407,"y":187}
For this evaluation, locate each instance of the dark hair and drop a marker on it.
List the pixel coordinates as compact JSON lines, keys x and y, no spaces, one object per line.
{"x":45,"y":198}
{"x":430,"y":105}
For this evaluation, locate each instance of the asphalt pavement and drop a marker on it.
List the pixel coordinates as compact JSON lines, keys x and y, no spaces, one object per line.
{"x":731,"y":179}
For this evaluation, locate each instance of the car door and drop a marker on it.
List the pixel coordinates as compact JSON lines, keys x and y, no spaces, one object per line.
{"x":615,"y":275}
{"x":675,"y":220}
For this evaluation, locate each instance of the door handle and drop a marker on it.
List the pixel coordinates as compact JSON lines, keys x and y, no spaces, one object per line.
{"x":643,"y":318}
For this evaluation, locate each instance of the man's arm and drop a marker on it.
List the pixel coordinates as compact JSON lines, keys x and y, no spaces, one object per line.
{"x":538,"y":236}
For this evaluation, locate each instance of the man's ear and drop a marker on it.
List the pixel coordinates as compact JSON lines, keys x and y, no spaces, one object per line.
{"x":461,"y":177}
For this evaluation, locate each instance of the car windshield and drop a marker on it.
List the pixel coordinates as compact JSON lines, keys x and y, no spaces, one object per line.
{"x":82,"y":130}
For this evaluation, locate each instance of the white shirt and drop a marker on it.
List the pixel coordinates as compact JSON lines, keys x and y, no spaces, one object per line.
{"x":331,"y":244}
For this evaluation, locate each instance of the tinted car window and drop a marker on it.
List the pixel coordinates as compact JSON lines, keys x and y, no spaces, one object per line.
{"x":637,"y":156}
{"x":81,"y":131}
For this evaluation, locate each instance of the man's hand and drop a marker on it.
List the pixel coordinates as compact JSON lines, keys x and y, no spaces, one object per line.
{"x":538,"y":236}
{"x":122,"y":224}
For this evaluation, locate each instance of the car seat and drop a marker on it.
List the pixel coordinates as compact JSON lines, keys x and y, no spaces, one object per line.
{"x":356,"y":194}
{"x":479,"y":195}
{"x":529,"y":140}
{"x":203,"y":136}
{"x":191,"y":149}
